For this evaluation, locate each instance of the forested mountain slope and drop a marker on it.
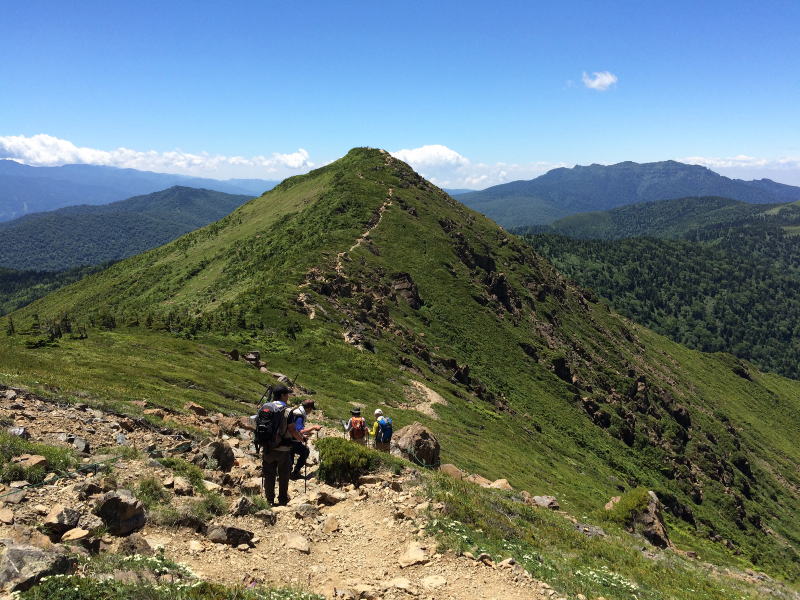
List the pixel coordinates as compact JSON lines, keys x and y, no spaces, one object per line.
{"x":362,"y":278}
{"x":727,"y":280}
{"x":79,"y":236}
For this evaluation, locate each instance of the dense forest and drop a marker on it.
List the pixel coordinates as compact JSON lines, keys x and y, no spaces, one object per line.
{"x":19,"y":288}
{"x":88,"y":235}
{"x":729,"y":286}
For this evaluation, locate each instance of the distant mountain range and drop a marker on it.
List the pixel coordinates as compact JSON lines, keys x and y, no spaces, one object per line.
{"x":562,"y":192}
{"x":77,"y":236}
{"x":25,"y":189}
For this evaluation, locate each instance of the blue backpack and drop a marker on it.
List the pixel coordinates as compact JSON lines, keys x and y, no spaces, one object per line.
{"x":384,"y":430}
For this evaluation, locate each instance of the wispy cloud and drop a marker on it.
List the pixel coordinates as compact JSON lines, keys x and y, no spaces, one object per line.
{"x":447,"y":168}
{"x":784,"y":169}
{"x":47,"y":150}
{"x":599,"y":80}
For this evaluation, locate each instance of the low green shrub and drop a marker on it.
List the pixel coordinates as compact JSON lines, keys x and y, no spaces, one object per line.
{"x":212,"y":504}
{"x":624,"y":512}
{"x":342,"y":461}
{"x":186,"y":469}
{"x":58,"y":459}
{"x":151,"y":492}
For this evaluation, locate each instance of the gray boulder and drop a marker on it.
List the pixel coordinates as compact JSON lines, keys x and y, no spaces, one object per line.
{"x":121,"y":512}
{"x":225,"y":534}
{"x":59,"y":520}
{"x":221,"y":453}
{"x":22,"y":566}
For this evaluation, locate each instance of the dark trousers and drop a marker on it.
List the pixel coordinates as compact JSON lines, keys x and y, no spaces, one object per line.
{"x":301,"y":450}
{"x":276,"y":463}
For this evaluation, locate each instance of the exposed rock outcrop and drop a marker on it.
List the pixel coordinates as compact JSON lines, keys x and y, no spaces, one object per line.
{"x":418,"y":444}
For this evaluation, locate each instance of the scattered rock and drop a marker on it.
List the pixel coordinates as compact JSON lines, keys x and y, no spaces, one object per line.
{"x":221,"y":453}
{"x":251,"y":486}
{"x":418,"y":444}
{"x":294,"y":541}
{"x":182,"y":486}
{"x":135,"y":544}
{"x":59,"y":520}
{"x":329,"y":498}
{"x":29,"y":461}
{"x":330,"y":525}
{"x":400,"y":583}
{"x":478,"y":480}
{"x":75,"y":535}
{"x":6,"y":516}
{"x":196,"y":546}
{"x":241,"y":506}
{"x":432,"y":582}
{"x":610,"y":504}
{"x":546,"y":502}
{"x":121,"y":512}
{"x":304,"y":511}
{"x":23,"y":565}
{"x":650,"y":522}
{"x":267,"y":516}
{"x":414,"y":555}
{"x":19,"y":432}
{"x":225,"y":534}
{"x":211,"y":486}
{"x":501,"y":484}
{"x":196,"y":409}
{"x":452,"y":471}
{"x":81,"y":445}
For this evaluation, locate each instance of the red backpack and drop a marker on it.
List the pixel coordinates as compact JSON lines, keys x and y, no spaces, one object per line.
{"x":358,"y":428}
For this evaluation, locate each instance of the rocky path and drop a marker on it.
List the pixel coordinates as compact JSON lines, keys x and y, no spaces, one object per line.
{"x":365,"y":542}
{"x":342,"y":256}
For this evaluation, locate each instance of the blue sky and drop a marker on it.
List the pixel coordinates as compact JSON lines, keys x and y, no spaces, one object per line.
{"x":475,"y":93}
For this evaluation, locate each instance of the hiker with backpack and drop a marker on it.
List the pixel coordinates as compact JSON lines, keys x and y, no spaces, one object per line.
{"x":357,"y":427}
{"x":271,"y":438}
{"x":382,"y":431}
{"x":300,"y":434}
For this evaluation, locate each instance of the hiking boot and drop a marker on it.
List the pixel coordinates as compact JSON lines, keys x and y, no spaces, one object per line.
{"x":296,"y":476}
{"x":283,"y":501}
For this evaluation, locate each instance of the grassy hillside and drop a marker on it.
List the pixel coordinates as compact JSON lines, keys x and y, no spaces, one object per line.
{"x":361,"y":277}
{"x":88,"y":235}
{"x":562,"y":192}
{"x":18,"y":288}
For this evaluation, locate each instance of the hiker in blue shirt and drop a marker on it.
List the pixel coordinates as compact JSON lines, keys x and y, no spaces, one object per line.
{"x":382,"y":431}
{"x":300,"y":432}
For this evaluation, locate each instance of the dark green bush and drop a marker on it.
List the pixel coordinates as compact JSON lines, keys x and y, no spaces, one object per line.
{"x":183,"y":467}
{"x":630,"y":504}
{"x":342,"y":461}
{"x":151,"y":492}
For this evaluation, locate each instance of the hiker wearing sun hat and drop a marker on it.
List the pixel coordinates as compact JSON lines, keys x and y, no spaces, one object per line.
{"x":357,"y":427}
{"x":382,"y":431}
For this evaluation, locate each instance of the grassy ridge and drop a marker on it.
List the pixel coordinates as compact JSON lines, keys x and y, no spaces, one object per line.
{"x":557,"y":393}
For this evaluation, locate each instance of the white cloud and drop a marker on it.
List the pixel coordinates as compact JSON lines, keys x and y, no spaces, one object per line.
{"x":784,"y":169}
{"x":434,"y":155}
{"x":449,"y":169}
{"x":46,"y":150}
{"x":599,"y":80}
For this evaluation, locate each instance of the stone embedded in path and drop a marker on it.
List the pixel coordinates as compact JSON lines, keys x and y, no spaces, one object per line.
{"x":13,"y":496}
{"x":6,"y":516}
{"x":304,"y":511}
{"x":400,"y":583}
{"x":432,"y":582}
{"x":297,"y":542}
{"x":182,"y":486}
{"x":330,"y":525}
{"x":415,"y":554}
{"x":81,"y":445}
{"x":251,"y":486}
{"x":329,"y":498}
{"x":121,"y":512}
{"x":267,"y":516}
{"x":225,"y":534}
{"x":22,"y":565}
{"x":59,"y":520}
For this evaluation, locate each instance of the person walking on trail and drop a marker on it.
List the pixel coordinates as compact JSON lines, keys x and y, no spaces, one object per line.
{"x":300,"y":434}
{"x":357,"y":427}
{"x":272,"y":431}
{"x":382,"y":431}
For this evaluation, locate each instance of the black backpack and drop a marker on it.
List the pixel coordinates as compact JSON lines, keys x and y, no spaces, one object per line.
{"x":271,"y":423}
